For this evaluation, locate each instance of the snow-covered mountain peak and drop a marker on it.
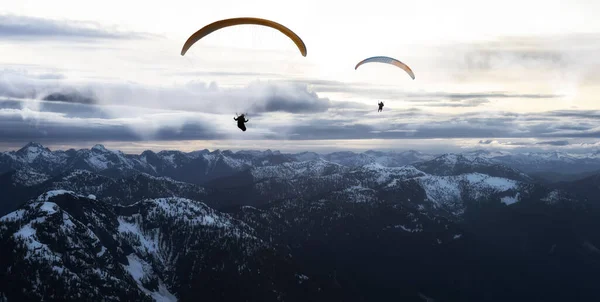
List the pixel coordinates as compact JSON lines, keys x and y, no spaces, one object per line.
{"x":47,"y":196}
{"x":99,"y":148}
{"x":30,"y":152}
{"x":33,"y":147}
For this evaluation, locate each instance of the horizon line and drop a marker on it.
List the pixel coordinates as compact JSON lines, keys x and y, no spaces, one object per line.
{"x":469,"y":150}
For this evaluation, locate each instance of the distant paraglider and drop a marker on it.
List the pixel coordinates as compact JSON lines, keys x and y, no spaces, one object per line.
{"x":387,"y":60}
{"x":241,"y":121}
{"x":206,"y":30}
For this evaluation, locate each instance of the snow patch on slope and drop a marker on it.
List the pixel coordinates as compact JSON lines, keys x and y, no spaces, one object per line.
{"x":140,"y":269}
{"x":50,"y":194}
{"x":449,"y":191}
{"x":508,"y":200}
{"x":498,"y":183}
{"x":190,"y":211}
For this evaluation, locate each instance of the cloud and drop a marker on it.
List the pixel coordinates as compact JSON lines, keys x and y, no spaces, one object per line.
{"x":23,"y":84}
{"x":72,"y":96}
{"x":455,"y":103}
{"x":577,"y":114}
{"x":70,"y":122}
{"x":25,"y":120}
{"x":277,"y":110}
{"x":486,"y":95}
{"x":192,"y":112}
{"x":554,"y":143}
{"x":541,"y":51}
{"x":257,"y":98}
{"x":51,"y":76}
{"x":14,"y":27}
{"x":43,"y":85}
{"x":374,"y":91}
{"x":427,"y":125}
{"x":228,"y":74}
{"x":490,"y":58}
{"x":525,"y":143}
{"x":292,"y":99}
{"x":564,"y":63}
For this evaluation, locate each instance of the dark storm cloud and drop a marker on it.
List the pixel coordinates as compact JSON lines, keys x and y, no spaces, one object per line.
{"x":32,"y":28}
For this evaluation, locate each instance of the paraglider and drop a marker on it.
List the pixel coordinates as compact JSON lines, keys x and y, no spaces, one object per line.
{"x":380,"y":106}
{"x":241,"y":121}
{"x":206,"y":30}
{"x":387,"y":60}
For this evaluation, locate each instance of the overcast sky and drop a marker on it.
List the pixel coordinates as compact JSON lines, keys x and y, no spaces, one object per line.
{"x":489,"y":74}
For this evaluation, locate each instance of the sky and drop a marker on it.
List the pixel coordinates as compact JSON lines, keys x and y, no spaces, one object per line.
{"x":489,"y":74}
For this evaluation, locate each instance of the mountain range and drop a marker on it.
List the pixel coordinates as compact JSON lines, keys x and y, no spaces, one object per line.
{"x":101,"y":225}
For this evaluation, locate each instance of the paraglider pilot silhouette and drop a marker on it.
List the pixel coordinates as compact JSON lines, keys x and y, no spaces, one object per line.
{"x":241,"y":120}
{"x":380,"y":106}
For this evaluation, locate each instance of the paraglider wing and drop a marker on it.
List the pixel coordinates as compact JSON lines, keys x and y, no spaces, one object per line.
{"x":387,"y":60}
{"x":206,"y":30}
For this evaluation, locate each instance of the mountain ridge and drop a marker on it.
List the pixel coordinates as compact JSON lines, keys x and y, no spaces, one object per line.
{"x":267,"y":226}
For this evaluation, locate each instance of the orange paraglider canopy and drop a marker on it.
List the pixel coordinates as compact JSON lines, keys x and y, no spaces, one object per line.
{"x":206,"y":30}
